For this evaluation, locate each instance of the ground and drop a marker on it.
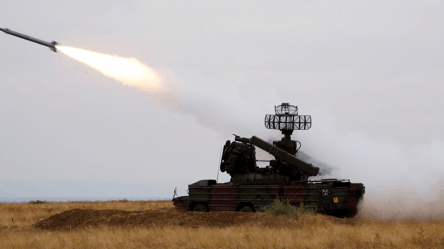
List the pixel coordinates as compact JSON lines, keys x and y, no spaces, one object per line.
{"x":156,"y":224}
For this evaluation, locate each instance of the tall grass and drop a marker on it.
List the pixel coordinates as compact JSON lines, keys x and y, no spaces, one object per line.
{"x":320,"y":234}
{"x":314,"y":231}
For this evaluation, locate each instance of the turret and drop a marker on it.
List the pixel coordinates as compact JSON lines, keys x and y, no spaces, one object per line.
{"x":239,"y":157}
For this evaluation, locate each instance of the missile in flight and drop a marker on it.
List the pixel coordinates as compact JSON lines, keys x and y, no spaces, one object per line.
{"x":51,"y":45}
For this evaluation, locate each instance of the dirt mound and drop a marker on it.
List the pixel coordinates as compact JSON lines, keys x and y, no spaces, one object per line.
{"x":80,"y":218}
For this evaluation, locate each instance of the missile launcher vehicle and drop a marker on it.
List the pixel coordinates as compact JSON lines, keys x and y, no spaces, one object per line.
{"x":286,"y":177}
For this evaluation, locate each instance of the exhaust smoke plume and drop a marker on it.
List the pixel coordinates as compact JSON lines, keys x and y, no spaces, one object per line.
{"x":129,"y":71}
{"x":404,"y":203}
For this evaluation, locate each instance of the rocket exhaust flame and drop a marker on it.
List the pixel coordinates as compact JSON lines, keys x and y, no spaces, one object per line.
{"x":129,"y":71}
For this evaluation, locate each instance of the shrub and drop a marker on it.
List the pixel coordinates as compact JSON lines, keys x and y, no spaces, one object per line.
{"x":280,"y":207}
{"x":36,"y":202}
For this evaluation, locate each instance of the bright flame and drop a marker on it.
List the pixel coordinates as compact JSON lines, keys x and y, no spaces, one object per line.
{"x":129,"y":71}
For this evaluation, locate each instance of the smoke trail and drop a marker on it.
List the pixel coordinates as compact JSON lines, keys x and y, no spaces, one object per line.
{"x":129,"y":71}
{"x":380,"y":174}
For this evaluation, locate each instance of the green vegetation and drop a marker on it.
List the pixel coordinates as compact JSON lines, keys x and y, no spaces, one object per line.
{"x":37,"y":202}
{"x":280,"y":207}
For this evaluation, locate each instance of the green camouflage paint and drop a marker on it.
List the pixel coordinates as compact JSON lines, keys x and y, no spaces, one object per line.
{"x":330,"y":196}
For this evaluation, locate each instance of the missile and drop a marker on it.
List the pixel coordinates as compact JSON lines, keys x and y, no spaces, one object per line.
{"x":51,"y":45}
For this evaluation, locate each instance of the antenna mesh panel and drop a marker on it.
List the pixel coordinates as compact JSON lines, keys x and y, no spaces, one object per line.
{"x":288,"y":122}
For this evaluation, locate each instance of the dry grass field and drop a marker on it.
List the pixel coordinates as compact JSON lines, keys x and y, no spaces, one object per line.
{"x":155,"y":224}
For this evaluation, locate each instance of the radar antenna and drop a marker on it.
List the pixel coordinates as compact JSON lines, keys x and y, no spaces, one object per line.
{"x":286,"y":119}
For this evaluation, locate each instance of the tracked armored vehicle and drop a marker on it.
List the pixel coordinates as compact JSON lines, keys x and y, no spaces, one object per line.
{"x":286,"y":177}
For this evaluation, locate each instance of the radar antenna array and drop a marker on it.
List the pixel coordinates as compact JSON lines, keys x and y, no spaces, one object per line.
{"x":286,"y":119}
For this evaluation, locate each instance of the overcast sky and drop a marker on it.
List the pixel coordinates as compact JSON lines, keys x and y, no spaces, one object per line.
{"x":370,"y":74}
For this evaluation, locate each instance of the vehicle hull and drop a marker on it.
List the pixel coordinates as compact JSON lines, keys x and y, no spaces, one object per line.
{"x":335,"y":197}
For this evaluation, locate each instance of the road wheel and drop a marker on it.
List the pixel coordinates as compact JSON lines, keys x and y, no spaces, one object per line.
{"x":200,"y":207}
{"x":247,"y":209}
